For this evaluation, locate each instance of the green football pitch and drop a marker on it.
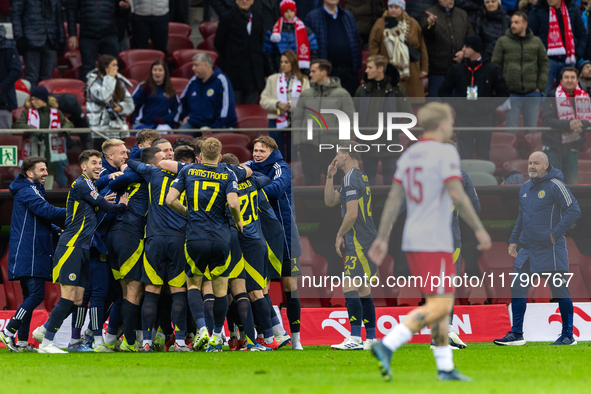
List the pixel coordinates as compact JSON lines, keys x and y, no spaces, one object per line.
{"x":534,"y":368}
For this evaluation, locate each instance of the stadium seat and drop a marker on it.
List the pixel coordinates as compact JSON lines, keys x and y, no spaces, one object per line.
{"x":74,"y":60}
{"x":52,"y":296}
{"x":131,"y":88}
{"x":208,"y":29}
{"x":62,"y":83}
{"x":478,"y":296}
{"x":253,"y":122}
{"x":130,"y":142}
{"x":534,"y":141}
{"x":179,"y":29}
{"x":179,"y":84}
{"x":241,"y":152}
{"x":585,"y":165}
{"x":232,"y":139}
{"x":497,"y":261}
{"x":140,"y":70}
{"x":584,"y":178}
{"x":483,"y":179}
{"x":80,"y":96}
{"x":248,"y":110}
{"x":132,"y":56}
{"x":499,"y":154}
{"x":516,"y":165}
{"x":501,"y":138}
{"x":16,"y":113}
{"x":184,"y":71}
{"x":470,"y":166}
{"x":276,"y":293}
{"x":208,"y":44}
{"x":585,"y":155}
{"x":173,"y":137}
{"x":315,"y":265}
{"x":72,"y":172}
{"x":184,"y":56}
{"x":176,"y":43}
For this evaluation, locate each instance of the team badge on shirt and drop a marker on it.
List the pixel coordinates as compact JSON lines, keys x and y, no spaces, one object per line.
{"x":541,"y":194}
{"x":209,"y":92}
{"x":72,"y":277}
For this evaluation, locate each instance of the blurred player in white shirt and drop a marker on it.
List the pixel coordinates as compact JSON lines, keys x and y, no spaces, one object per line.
{"x":428,"y":176}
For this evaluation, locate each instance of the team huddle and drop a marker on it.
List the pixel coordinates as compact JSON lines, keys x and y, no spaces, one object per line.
{"x":167,"y":245}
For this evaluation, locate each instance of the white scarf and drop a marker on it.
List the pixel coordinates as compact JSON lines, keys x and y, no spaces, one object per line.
{"x":566,"y":112}
{"x":57,"y":149}
{"x":283,"y":97}
{"x":395,"y":42}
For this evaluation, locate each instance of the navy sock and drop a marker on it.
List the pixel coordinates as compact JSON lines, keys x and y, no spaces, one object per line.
{"x":294,"y":310}
{"x":232,"y":315}
{"x":451,"y":315}
{"x":208,"y":302}
{"x":246,"y":316}
{"x":274,"y":318}
{"x":355,"y":311}
{"x":34,"y":292}
{"x":149,"y":314}
{"x":131,"y":315}
{"x":179,"y":314}
{"x":60,"y":312}
{"x":196,"y":306}
{"x":164,"y":313}
{"x":16,"y":321}
{"x":220,"y":308}
{"x":518,"y":306}
{"x":369,"y":316}
{"x":260,"y":309}
{"x":566,"y":312}
{"x":78,"y":317}
{"x":115,"y":318}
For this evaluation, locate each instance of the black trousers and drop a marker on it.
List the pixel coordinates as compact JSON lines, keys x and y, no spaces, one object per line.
{"x":144,"y":28}
{"x":468,"y":139}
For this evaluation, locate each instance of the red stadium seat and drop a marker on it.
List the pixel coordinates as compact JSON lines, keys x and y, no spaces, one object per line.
{"x":132,"y":56}
{"x":62,"y":83}
{"x":585,"y":165}
{"x":249,"y":110}
{"x":52,"y":295}
{"x":253,"y":122}
{"x":232,"y":139}
{"x":585,"y":155}
{"x":241,"y":152}
{"x":16,"y":113}
{"x":501,"y":138}
{"x":184,"y":56}
{"x":131,"y":88}
{"x":80,"y":96}
{"x":497,"y":261}
{"x":130,"y":142}
{"x":276,"y":293}
{"x":72,"y":172}
{"x":179,"y":84}
{"x":208,"y":29}
{"x":184,"y":71}
{"x":584,"y":178}
{"x":534,"y":141}
{"x":516,"y":165}
{"x":315,"y":266}
{"x":139,"y":70}
{"x":176,"y":43}
{"x":179,"y":29}
{"x":499,"y":154}
{"x":208,"y":44}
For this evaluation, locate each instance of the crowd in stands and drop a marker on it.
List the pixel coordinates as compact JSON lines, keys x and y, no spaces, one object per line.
{"x":266,"y":53}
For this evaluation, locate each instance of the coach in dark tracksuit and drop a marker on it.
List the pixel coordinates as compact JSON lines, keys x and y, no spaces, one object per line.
{"x":547,"y":209}
{"x":30,"y":251}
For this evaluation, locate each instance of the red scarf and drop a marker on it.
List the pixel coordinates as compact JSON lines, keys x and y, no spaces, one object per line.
{"x":301,"y":39}
{"x":555,"y":45}
{"x":57,"y":148}
{"x":566,"y":112}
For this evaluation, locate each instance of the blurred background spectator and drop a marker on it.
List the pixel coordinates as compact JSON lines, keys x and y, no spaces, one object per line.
{"x":491,"y":24}
{"x":149,"y":21}
{"x":156,"y":104}
{"x":290,"y":34}
{"x":415,"y":8}
{"x":559,"y":25}
{"x":406,"y":30}
{"x":366,"y":13}
{"x":70,"y":107}
{"x":239,"y":41}
{"x":444,"y":28}
{"x":108,"y":101}
{"x":179,"y":11}
{"x":208,"y":100}
{"x":38,"y":30}
{"x":10,"y":71}
{"x":338,"y":42}
{"x":585,"y":76}
{"x":276,"y":99}
{"x":513,"y":178}
{"x":41,"y":112}
{"x":522,"y":57}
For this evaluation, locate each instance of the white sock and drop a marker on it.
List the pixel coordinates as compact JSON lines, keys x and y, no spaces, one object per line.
{"x":295,"y":337}
{"x":269,"y":340}
{"x":451,"y":328}
{"x":397,"y":337}
{"x":260,"y":335}
{"x":139,"y":335}
{"x":22,"y":343}
{"x":180,"y":342}
{"x":444,"y":358}
{"x":147,"y":342}
{"x":278,"y":330}
{"x":7,"y":333}
{"x":42,"y":330}
{"x":217,"y":334}
{"x":356,"y":339}
{"x":46,"y":342}
{"x":110,"y":339}
{"x":98,"y":341}
{"x":74,"y":341}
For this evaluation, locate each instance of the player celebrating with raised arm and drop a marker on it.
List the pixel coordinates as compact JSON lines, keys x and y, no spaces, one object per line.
{"x":71,"y":263}
{"x":428,"y":174}
{"x":208,"y":187}
{"x":357,"y":232}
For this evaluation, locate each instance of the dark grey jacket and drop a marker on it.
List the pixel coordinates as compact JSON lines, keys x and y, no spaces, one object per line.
{"x":38,"y":23}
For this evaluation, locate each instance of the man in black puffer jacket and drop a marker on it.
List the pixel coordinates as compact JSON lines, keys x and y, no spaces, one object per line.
{"x":98,"y":29}
{"x":10,"y":72}
{"x":474,"y":84}
{"x":39,"y":33}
